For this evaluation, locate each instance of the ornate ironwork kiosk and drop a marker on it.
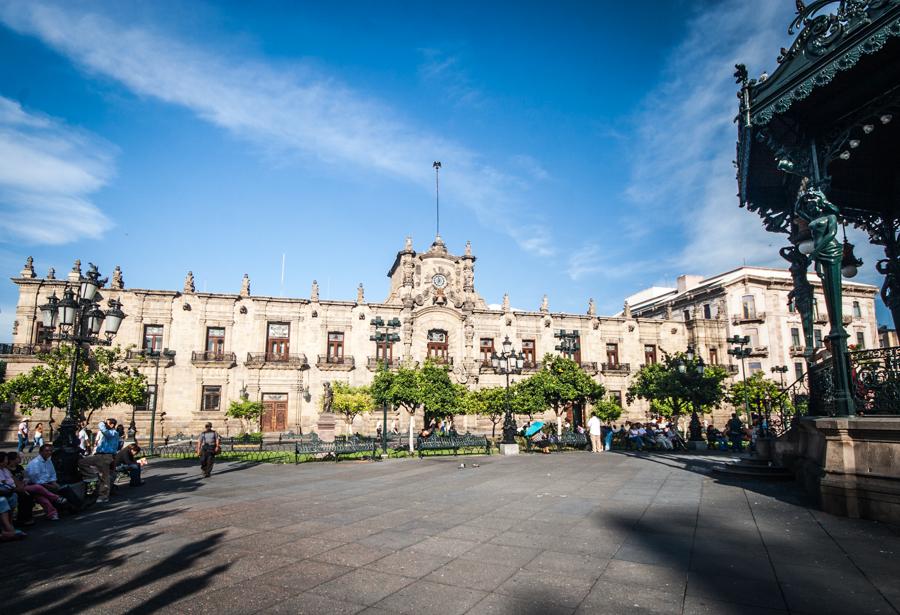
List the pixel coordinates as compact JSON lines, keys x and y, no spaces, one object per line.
{"x":818,"y":149}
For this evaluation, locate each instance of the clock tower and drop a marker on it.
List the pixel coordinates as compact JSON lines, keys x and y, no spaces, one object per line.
{"x":434,"y":277}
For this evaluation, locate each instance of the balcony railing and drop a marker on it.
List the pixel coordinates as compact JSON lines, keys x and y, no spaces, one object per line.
{"x":329,"y":362}
{"x":731,"y":368}
{"x":759,"y":351}
{"x":740,"y":319}
{"x":272,"y":359}
{"x":589,"y":366}
{"x":199,"y":357}
{"x":374,"y":364}
{"x":530,"y":366}
{"x":23,"y":349}
{"x":820,"y":319}
{"x":616,"y":368}
{"x":797,"y":351}
{"x":135,"y":355}
{"x":441,"y":360}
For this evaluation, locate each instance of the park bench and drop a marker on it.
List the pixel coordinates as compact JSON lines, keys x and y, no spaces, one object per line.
{"x":569,"y":439}
{"x":336,"y":448}
{"x":453,"y":443}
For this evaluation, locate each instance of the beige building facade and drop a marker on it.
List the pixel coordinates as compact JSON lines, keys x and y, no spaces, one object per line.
{"x":282,"y":351}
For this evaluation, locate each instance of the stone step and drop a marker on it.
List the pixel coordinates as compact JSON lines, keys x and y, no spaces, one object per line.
{"x":753,"y":470}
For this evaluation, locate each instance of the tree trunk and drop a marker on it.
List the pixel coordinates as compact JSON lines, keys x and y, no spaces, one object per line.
{"x":558,"y":424}
{"x":412,"y":421}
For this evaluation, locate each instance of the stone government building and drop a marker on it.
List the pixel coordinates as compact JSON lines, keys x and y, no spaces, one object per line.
{"x":282,"y":351}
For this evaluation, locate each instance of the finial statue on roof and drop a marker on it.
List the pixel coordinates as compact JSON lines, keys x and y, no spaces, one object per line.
{"x":314,"y":292}
{"x":505,"y":302}
{"x":592,"y":307}
{"x":545,"y":304}
{"x":626,"y":310}
{"x":360,"y":294}
{"x":28,"y":269}
{"x":245,"y":286}
{"x":468,"y":248}
{"x":117,"y":282}
{"x":51,"y":274}
{"x":189,"y":283}
{"x":75,"y":274}
{"x":408,"y":246}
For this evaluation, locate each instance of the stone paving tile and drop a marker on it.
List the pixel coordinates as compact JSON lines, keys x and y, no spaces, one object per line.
{"x":304,"y":575}
{"x":312,"y":604}
{"x":444,"y":547}
{"x":246,"y":597}
{"x":426,"y":597}
{"x":474,"y":575}
{"x":614,"y":598}
{"x":500,"y":604}
{"x":501,"y":554}
{"x":410,"y":563}
{"x":353,"y":554}
{"x":565,"y":589}
{"x":302,"y":548}
{"x":817,"y":590}
{"x":586,"y":566}
{"x":645,"y":575}
{"x":362,"y":586}
{"x":392,"y":539}
{"x":735,"y":588}
{"x":694,"y":605}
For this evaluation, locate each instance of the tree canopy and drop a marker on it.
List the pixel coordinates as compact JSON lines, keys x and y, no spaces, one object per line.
{"x":489,"y":402}
{"x":672,"y":392}
{"x":103,"y":379}
{"x":758,"y":391}
{"x":245,"y":410}
{"x":562,"y":382}
{"x":351,"y":401}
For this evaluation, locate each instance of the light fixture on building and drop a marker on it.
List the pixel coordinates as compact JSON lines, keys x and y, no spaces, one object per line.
{"x":803,"y":238}
{"x":849,"y":263}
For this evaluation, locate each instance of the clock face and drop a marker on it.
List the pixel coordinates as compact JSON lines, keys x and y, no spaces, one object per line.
{"x":439,"y":281}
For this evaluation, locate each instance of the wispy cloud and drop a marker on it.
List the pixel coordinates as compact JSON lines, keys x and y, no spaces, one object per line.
{"x":682,"y":174}
{"x":48,"y":174}
{"x":297,"y":111}
{"x":445,"y":73}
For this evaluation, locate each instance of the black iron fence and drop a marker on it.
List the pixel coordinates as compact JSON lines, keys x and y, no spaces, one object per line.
{"x":874,"y":383}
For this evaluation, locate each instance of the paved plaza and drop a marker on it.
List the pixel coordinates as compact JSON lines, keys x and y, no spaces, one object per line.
{"x":564,"y":533}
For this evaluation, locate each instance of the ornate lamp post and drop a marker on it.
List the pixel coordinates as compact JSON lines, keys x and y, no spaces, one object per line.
{"x":169,"y":354}
{"x":385,"y":335}
{"x":693,"y":376}
{"x":79,"y":320}
{"x":741,"y":352}
{"x":508,"y":362}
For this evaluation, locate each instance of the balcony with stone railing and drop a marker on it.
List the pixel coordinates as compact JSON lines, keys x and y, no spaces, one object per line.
{"x":590,"y":367}
{"x":23,"y":350}
{"x":759,"y":351}
{"x":207,"y":358}
{"x":619,"y":369}
{"x":530,"y":366}
{"x":741,"y":319}
{"x":730,"y":368}
{"x":797,"y":351}
{"x":374,"y":364}
{"x":335,"y":364}
{"x":277,"y":360}
{"x":820,"y":319}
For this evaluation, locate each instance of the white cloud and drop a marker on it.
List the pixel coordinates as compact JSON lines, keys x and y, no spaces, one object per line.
{"x":683,"y":180}
{"x":296,"y":110}
{"x":445,"y":73}
{"x":47,"y":175}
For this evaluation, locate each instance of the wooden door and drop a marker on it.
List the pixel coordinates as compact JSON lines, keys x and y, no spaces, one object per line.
{"x":274,"y":416}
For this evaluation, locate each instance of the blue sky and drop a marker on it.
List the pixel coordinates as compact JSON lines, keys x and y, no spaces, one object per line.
{"x":586,"y":146}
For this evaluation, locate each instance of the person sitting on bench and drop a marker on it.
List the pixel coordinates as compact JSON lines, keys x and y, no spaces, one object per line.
{"x":126,"y":461}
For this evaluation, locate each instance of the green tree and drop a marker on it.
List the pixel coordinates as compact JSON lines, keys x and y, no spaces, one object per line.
{"x":400,"y":389}
{"x":561,"y":383}
{"x":607,"y":410}
{"x":672,"y":391}
{"x":440,"y":395}
{"x":758,"y":391}
{"x":103,"y":379}
{"x":246,"y":410}
{"x":489,"y":402}
{"x":351,"y":402}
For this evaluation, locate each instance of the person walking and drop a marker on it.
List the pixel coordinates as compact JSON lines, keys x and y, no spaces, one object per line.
{"x":595,"y":428}
{"x":22,"y":435}
{"x":735,"y":432}
{"x":208,"y":446}
{"x":101,"y":461}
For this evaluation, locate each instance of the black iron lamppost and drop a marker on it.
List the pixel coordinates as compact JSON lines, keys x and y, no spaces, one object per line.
{"x":156,"y":354}
{"x":693,"y":376}
{"x":508,"y":362}
{"x":781,"y":370}
{"x":741,"y":352}
{"x":385,"y":335}
{"x":79,"y":319}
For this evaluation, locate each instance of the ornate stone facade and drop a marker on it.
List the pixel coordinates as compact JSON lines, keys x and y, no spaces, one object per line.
{"x":282,"y":351}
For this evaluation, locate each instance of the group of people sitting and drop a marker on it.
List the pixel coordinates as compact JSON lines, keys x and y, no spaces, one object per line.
{"x":21,"y":488}
{"x":438,"y":427}
{"x":655,"y":434}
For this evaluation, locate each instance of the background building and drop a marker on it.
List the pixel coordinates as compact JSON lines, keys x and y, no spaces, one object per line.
{"x":282,"y":351}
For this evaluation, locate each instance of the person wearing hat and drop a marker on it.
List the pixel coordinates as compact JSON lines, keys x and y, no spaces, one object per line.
{"x":208,"y":446}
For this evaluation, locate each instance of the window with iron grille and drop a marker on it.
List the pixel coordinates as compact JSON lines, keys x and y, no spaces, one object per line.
{"x":335,"y":351}
{"x":612,"y":354}
{"x":486,"y":345}
{"x":860,"y":340}
{"x":215,"y":340}
{"x":795,"y":336}
{"x":649,"y":354}
{"x":153,"y":338}
{"x":528,"y":350}
{"x":212,"y":397}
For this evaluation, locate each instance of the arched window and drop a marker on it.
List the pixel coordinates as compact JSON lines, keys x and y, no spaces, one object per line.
{"x":438,"y":345}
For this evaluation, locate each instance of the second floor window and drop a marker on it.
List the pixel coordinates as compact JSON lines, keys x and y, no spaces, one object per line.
{"x":707,"y":311}
{"x":753,"y":334}
{"x":153,"y":338}
{"x":748,"y":306}
{"x":795,"y":336}
{"x":612,"y":354}
{"x":792,"y":307}
{"x":528,"y":351}
{"x":755,"y":366}
{"x":649,"y":354}
{"x":817,"y":336}
{"x":212,"y":398}
{"x":487,"y":349}
{"x":215,"y":340}
{"x":335,"y":352}
{"x":278,"y":342}
{"x":438,"y":346}
{"x":714,"y":356}
{"x":798,"y":370}
{"x":857,"y":310}
{"x":384,"y":350}
{"x":860,"y":340}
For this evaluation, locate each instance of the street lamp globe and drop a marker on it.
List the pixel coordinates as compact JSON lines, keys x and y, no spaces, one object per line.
{"x":701,"y":367}
{"x":90,"y":283}
{"x":95,"y":319}
{"x":114,"y":317}
{"x":507,"y":345}
{"x":67,"y":308}
{"x":50,"y":312}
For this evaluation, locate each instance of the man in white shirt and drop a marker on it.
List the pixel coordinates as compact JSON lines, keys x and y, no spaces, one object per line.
{"x":22,"y":435}
{"x":595,"y":428}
